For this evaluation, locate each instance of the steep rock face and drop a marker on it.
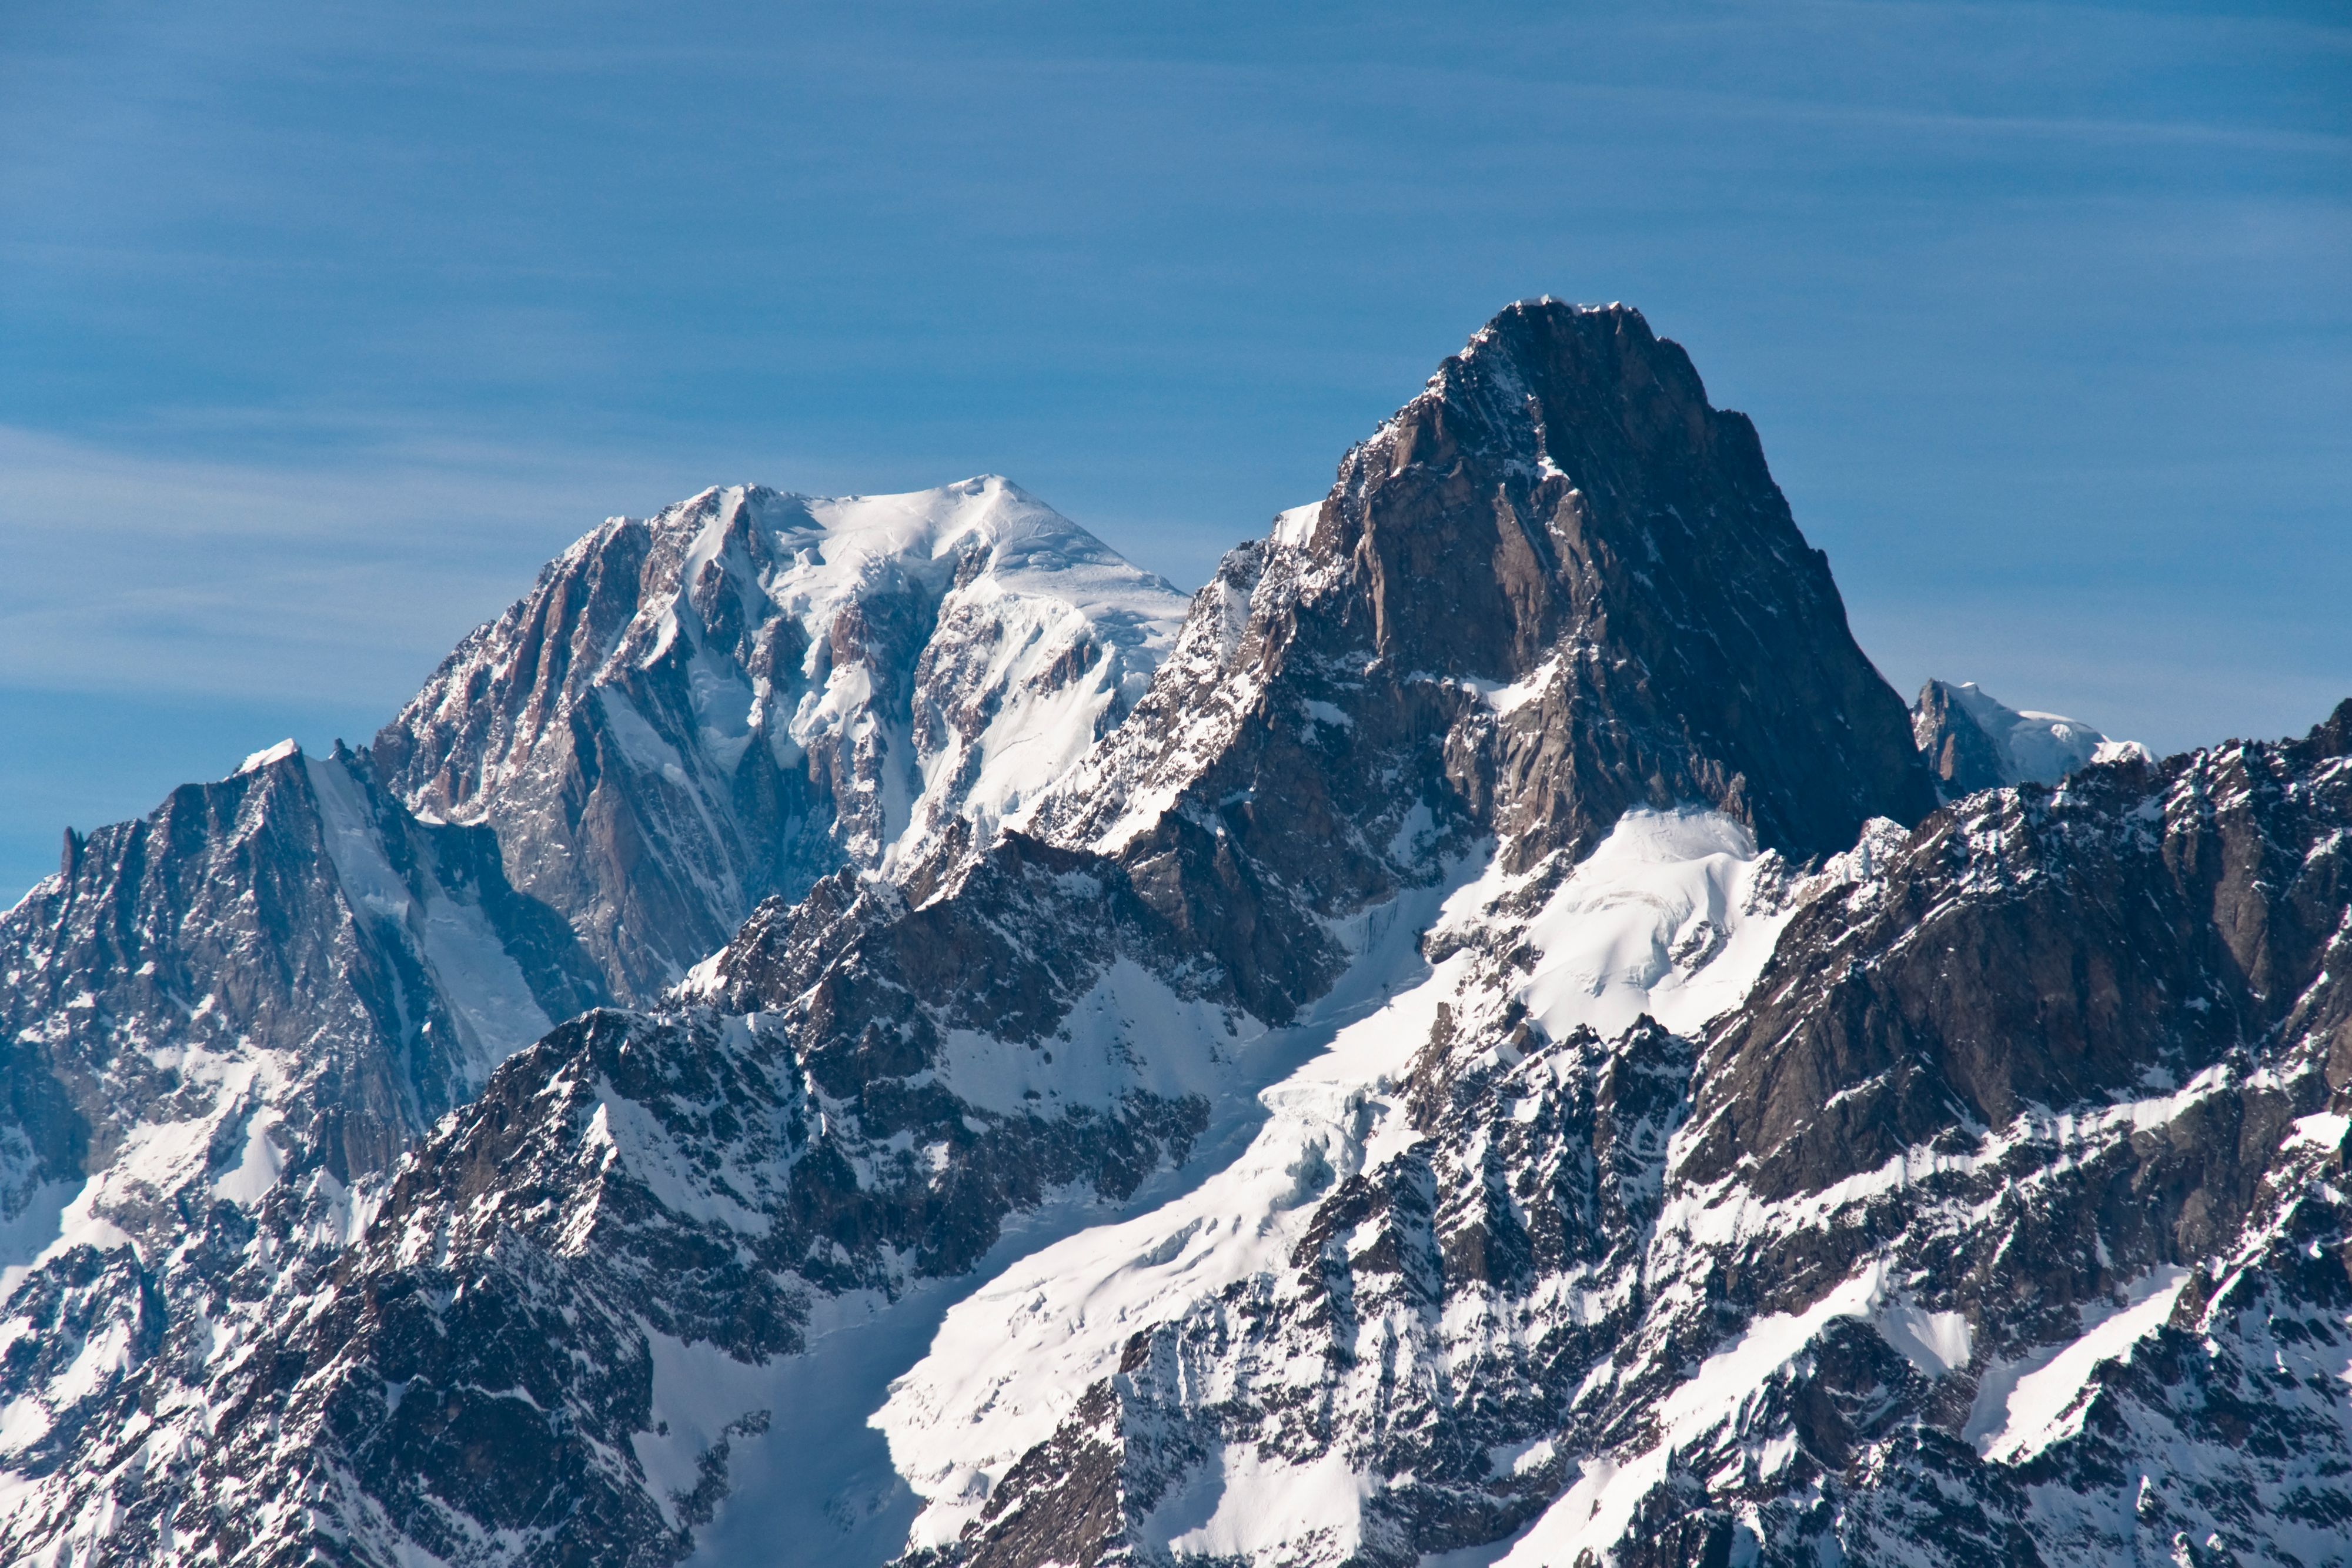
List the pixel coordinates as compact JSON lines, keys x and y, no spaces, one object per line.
{"x":1973,"y":742}
{"x":738,"y":696}
{"x":1560,"y":558}
{"x":2134,"y":928}
{"x":223,"y":1025}
{"x":860,"y":1090}
{"x":287,"y":944}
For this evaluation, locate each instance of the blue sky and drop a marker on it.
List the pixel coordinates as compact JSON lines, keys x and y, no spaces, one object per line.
{"x":322,"y":325}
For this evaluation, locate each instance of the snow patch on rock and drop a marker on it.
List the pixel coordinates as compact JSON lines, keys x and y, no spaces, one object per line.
{"x":2026,"y":1407}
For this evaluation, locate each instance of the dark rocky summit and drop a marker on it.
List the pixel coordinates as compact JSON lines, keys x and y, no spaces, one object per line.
{"x":1497,"y":1048}
{"x":1562,"y":516}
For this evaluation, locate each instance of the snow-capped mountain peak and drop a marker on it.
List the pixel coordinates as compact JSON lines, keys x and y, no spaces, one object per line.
{"x":812,"y":556}
{"x":750,"y":689}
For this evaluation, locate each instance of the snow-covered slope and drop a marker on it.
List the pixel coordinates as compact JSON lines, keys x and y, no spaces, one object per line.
{"x":731,"y":698}
{"x":1973,"y":742}
{"x":1830,"y":1258}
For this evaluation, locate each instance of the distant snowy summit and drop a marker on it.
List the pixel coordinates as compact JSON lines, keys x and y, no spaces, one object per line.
{"x":750,"y":690}
{"x":1973,"y":741}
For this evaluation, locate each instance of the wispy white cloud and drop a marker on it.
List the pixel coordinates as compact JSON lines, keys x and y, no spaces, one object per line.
{"x":141,"y":572}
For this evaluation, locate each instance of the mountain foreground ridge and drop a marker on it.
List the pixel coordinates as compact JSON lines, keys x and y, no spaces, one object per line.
{"x":1479,"y":1040}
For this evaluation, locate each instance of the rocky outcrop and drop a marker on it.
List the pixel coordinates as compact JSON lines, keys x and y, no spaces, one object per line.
{"x":2036,"y":949}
